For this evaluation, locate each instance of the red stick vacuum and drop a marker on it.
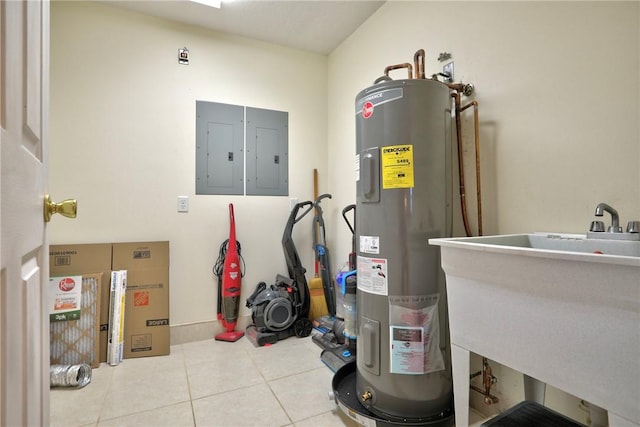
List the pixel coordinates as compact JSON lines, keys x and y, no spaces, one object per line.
{"x":229,"y":290}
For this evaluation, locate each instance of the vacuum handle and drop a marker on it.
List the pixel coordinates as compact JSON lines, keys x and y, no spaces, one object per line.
{"x":352,"y":255}
{"x":344,"y":215}
{"x":297,"y":207}
{"x":324,"y":196}
{"x":318,"y":221}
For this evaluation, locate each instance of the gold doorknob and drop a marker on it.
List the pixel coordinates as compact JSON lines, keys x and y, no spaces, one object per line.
{"x":67,"y":208}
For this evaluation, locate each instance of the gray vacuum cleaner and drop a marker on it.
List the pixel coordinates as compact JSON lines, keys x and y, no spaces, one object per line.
{"x":281,"y":310}
{"x":338,"y":339}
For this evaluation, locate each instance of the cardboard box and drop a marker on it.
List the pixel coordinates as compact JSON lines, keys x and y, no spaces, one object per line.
{"x":147,"y":299}
{"x":82,"y":259}
{"x":146,"y":318}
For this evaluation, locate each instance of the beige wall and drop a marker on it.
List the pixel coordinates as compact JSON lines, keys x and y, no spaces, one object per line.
{"x":558,"y":88}
{"x":123,"y":141}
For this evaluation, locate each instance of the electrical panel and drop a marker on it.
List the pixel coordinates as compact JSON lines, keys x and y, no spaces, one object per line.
{"x":222,"y":140}
{"x":267,"y":152}
{"x":219,"y":148}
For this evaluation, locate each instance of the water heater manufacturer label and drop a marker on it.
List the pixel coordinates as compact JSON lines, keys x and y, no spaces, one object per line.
{"x":367,"y":109}
{"x":414,"y":334}
{"x":397,"y":166}
{"x":370,"y":244}
{"x":365,"y":105}
{"x":407,"y":350}
{"x":372,"y":275}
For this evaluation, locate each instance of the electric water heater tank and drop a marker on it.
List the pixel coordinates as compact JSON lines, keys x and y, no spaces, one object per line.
{"x":403,"y":173}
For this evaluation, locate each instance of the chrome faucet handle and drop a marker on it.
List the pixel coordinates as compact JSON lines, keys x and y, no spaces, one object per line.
{"x":633,"y":227}
{"x":597,"y":226}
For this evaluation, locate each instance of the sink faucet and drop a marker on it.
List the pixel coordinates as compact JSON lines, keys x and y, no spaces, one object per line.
{"x":596,"y":231}
{"x":615,"y":220}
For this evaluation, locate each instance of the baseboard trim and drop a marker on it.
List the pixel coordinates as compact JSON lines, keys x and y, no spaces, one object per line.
{"x":200,"y":331}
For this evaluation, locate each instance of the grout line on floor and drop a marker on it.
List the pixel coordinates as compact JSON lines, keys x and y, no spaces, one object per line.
{"x":106,"y":391}
{"x":266,"y":382}
{"x":186,"y":374}
{"x":281,"y":405}
{"x":145,"y":411}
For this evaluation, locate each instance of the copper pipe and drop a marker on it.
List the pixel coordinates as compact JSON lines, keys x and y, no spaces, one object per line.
{"x":487,"y":375}
{"x":487,"y":381}
{"x":398,"y":66}
{"x":458,"y":87}
{"x":489,"y":399}
{"x":476,"y":128}
{"x":463,"y":202}
{"x":418,"y":63}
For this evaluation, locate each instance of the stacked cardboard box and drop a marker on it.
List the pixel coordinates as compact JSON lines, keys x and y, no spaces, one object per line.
{"x":146,"y":321}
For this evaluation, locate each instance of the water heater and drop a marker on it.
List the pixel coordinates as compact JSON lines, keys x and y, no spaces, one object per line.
{"x":404,"y":179}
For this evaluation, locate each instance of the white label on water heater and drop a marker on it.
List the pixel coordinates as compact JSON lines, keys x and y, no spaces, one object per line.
{"x":370,"y":244}
{"x":357,"y":167}
{"x":407,"y":350}
{"x":372,"y":275}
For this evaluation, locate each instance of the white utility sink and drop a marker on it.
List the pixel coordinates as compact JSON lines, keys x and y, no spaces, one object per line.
{"x":560,"y":308}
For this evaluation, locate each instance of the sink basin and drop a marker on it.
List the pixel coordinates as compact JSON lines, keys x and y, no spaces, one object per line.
{"x":560,"y":308}
{"x":558,"y":242}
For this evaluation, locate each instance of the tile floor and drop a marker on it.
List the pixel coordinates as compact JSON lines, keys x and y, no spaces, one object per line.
{"x":208,"y":383}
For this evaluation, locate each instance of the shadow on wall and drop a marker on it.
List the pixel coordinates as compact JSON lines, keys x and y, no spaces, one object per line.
{"x":488,"y":209}
{"x":488,"y":138}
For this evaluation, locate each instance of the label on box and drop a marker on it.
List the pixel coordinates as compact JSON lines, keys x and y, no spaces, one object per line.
{"x":140,"y":299}
{"x":158,"y":322}
{"x":62,"y":260}
{"x":146,"y":286}
{"x":142,"y":254}
{"x":141,"y":342}
{"x":62,"y":257}
{"x":65,"y":296}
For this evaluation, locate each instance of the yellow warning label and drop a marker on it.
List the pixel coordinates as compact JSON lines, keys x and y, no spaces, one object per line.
{"x":397,"y":166}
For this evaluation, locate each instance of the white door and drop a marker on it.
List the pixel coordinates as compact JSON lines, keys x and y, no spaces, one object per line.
{"x":24,"y":325}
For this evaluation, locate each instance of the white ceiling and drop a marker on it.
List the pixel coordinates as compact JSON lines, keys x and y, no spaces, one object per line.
{"x":313,"y":25}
